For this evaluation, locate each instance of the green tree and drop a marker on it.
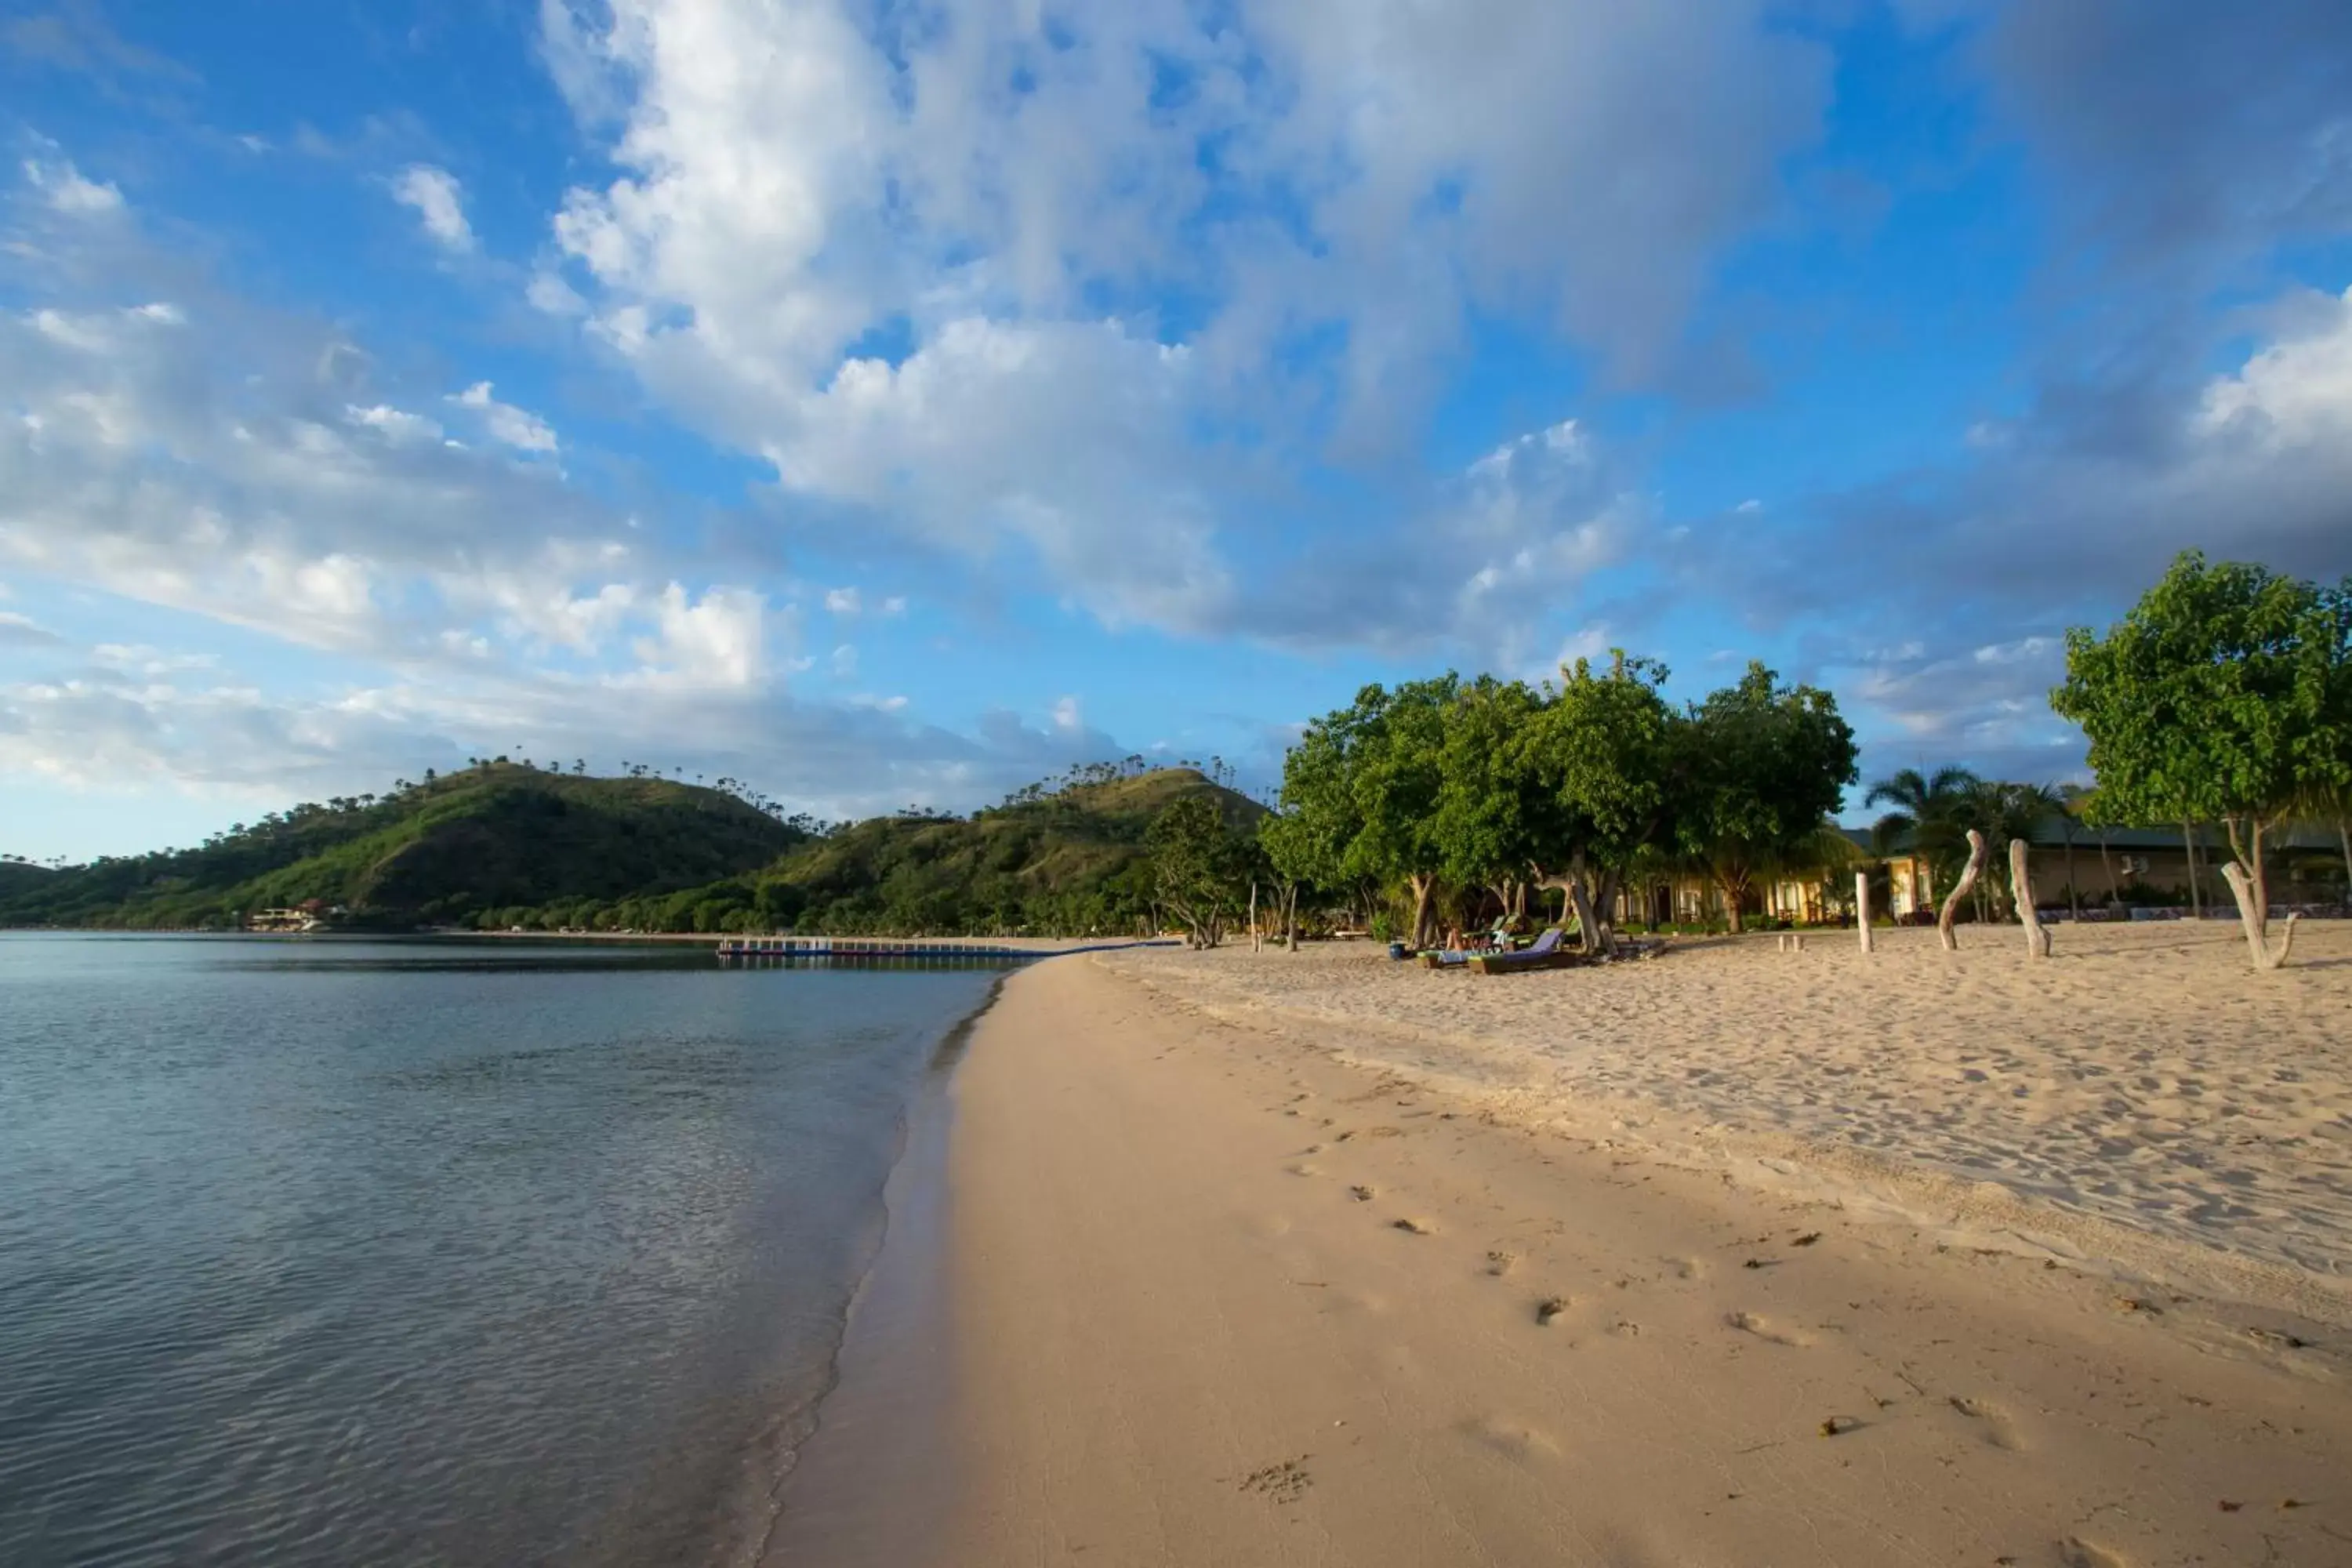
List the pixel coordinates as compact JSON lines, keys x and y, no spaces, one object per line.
{"x":1763,"y":766}
{"x":1488,"y":816}
{"x":1604,"y":758}
{"x":1366,"y":780}
{"x":1931,"y":811}
{"x":1200,"y":865}
{"x":2224,"y":695}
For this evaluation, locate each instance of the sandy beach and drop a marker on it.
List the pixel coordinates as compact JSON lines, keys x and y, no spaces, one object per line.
{"x":1312,"y":1260}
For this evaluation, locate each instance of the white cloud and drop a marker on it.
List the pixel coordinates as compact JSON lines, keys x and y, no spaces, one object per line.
{"x":525,"y":432}
{"x":844,"y":662}
{"x":23,"y":631}
{"x":2296,"y":391}
{"x":896,"y":605}
{"x":396,"y":425}
{"x":796,"y":177}
{"x":439,"y":203}
{"x":711,"y":641}
{"x":841,"y":601}
{"x":64,"y":190}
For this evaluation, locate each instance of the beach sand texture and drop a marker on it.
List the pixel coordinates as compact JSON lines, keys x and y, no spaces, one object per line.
{"x":2142,"y":1091}
{"x":1219,"y":1296}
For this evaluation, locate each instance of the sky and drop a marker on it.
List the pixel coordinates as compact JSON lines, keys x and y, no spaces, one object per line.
{"x":892,"y":402}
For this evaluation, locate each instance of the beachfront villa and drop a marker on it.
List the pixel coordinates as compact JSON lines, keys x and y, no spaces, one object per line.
{"x":310,"y":914}
{"x":2115,"y":867}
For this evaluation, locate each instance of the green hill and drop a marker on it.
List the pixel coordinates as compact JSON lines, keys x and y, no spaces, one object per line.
{"x":503,"y":845}
{"x":1067,"y":861}
{"x":446,"y":850}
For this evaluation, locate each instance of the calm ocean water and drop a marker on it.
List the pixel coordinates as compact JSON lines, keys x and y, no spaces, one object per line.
{"x":339,"y":1252}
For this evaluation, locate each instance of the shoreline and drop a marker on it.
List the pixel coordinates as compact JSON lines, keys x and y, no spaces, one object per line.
{"x":1220,"y":1295}
{"x":867,"y":1481}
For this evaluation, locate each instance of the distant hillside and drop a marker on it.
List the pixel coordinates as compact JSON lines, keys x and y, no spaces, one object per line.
{"x":497,"y":835}
{"x":503,"y":845}
{"x":21,"y":876}
{"x":1067,"y":861}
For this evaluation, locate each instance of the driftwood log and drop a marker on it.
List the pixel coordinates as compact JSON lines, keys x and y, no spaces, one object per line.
{"x":1862,"y":907}
{"x":1961,"y":890}
{"x":2020,"y":886}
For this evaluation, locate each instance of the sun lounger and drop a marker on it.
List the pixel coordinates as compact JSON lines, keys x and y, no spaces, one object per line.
{"x":1547,"y":953}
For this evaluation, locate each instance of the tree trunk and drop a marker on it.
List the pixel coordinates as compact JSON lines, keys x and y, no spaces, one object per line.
{"x":2114,"y":888}
{"x":2344,"y":837}
{"x":1424,"y":910}
{"x":1862,"y":907}
{"x":2254,"y":916}
{"x":1951,"y":910}
{"x":2074,"y":898}
{"x":1254,"y":939}
{"x":2021,"y":882}
{"x":1604,"y":904}
{"x":1587,"y":926}
{"x":2196,"y":894}
{"x":1732,"y":914}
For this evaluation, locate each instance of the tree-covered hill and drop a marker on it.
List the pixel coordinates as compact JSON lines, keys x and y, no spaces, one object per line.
{"x":1068,"y":860}
{"x":497,"y":835}
{"x":506,"y":845}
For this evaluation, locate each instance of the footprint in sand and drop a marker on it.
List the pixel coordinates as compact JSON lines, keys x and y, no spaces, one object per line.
{"x":1501,"y":1263}
{"x":1304,"y":1169}
{"x":1414,"y":1226}
{"x":1765,"y":1328}
{"x":1362,"y":1194}
{"x":1550,"y":1310}
{"x":1685,"y":1268}
{"x":1996,"y":1429}
{"x":1285,"y":1482}
{"x":1512,"y":1438}
{"x":2076,"y":1552}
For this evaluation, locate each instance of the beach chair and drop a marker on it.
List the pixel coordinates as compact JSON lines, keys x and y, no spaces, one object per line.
{"x":1547,"y":953}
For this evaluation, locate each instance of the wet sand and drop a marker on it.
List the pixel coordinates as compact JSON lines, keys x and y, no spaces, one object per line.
{"x":1237,"y":1276}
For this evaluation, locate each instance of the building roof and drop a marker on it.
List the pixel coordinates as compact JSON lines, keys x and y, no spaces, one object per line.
{"x":2051,"y":833}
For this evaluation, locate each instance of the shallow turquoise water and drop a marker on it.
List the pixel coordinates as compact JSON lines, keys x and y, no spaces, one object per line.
{"x":329,"y":1251}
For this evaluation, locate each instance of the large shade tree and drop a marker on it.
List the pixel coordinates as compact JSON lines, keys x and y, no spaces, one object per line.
{"x":1601,"y":758}
{"x":1367,"y":782}
{"x":1200,"y":866}
{"x":2224,"y":695}
{"x":1763,"y":766}
{"x":1488,"y":817}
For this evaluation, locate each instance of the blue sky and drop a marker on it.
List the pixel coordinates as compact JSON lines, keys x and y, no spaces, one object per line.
{"x":891,"y":401}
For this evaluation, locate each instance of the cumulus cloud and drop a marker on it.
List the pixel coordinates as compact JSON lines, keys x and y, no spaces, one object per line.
{"x":1484,"y":564}
{"x":439,"y":203}
{"x":1007,"y":202}
{"x":512,"y":427}
{"x":61,"y":185}
{"x":1970,"y":573}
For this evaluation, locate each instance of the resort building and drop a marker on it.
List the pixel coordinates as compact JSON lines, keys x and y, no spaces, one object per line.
{"x":2103,"y":870}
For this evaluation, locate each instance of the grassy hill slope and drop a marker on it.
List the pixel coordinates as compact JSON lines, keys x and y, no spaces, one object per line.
{"x":503,"y":845}
{"x":499,"y":834}
{"x":1068,"y":861}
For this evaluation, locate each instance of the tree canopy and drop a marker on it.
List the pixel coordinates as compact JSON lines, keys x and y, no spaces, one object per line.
{"x":2224,"y":694}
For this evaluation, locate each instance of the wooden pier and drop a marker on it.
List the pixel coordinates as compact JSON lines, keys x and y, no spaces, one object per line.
{"x":902,"y":950}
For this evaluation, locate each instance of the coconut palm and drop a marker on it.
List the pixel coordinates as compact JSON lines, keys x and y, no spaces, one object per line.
{"x":2005,"y":811}
{"x":1928,"y":809}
